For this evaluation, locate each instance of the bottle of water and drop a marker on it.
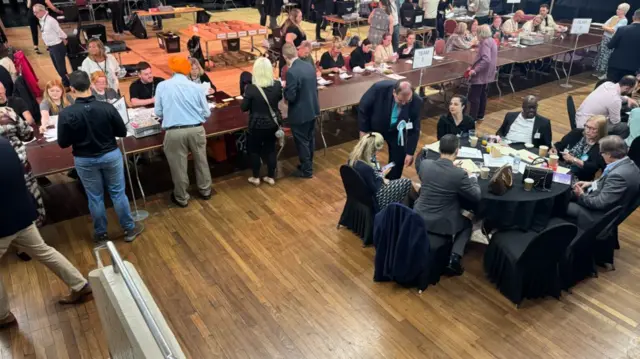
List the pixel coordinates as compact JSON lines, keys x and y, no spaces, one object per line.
{"x":516,"y":163}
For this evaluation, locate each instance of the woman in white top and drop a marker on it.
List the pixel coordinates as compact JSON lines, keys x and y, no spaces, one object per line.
{"x":533,"y":25}
{"x":601,"y":62}
{"x":384,"y":51}
{"x":99,"y":60}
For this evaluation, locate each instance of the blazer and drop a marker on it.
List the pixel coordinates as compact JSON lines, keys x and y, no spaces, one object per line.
{"x":443,"y":186}
{"x":624,"y":44}
{"x":592,"y":164}
{"x":259,"y":114}
{"x":374,"y":113}
{"x":541,"y":125}
{"x":447,"y":125}
{"x":485,"y":64}
{"x":368,"y":175}
{"x":301,"y":92}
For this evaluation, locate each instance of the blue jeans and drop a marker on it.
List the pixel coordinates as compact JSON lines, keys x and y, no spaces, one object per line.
{"x":96,"y":173}
{"x":395,"y":37}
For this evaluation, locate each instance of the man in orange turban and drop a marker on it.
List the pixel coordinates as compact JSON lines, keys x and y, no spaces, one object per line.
{"x":180,"y":65}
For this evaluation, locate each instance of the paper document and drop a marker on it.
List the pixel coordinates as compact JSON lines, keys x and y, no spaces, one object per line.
{"x":563,"y":170}
{"x":408,"y":61}
{"x":435,"y":147}
{"x":323,"y":82}
{"x":205,"y":86}
{"x":345,"y":76}
{"x":357,"y":70}
{"x":51,"y":134}
{"x":507,"y":151}
{"x":497,"y":162}
{"x":527,"y":156}
{"x":469,"y":152}
{"x":395,"y":76}
{"x":369,"y":68}
{"x":467,"y":165}
{"x":436,"y":57}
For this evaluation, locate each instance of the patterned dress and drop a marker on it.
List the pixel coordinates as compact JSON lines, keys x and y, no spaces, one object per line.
{"x":601,"y":62}
{"x":379,"y":25}
{"x":394,"y":191}
{"x":17,"y":131}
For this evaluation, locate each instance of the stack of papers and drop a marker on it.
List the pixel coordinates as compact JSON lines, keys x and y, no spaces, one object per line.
{"x":468,"y":166}
{"x":344,"y":75}
{"x":323,"y":82}
{"x":395,"y":76}
{"x":435,"y":57}
{"x":435,"y":147}
{"x":357,"y":70}
{"x":51,"y":134}
{"x":504,"y":160}
{"x":469,"y":152}
{"x":527,"y":156}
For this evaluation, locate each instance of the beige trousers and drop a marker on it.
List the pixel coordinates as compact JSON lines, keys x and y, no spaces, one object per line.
{"x":177,"y":145}
{"x":29,"y":240}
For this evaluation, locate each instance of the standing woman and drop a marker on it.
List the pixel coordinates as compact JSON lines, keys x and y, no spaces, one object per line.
{"x":601,"y":62}
{"x":292,"y":32}
{"x":482,"y":72}
{"x":54,"y":100}
{"x":117,"y":18}
{"x":381,"y":22}
{"x":34,"y":23}
{"x":99,"y":60}
{"x":262,"y":126}
{"x":443,"y":6}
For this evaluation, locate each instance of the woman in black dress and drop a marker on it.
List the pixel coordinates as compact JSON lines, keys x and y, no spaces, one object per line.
{"x":456,"y":122}
{"x":361,"y":55}
{"x":443,"y":5}
{"x":292,"y":32}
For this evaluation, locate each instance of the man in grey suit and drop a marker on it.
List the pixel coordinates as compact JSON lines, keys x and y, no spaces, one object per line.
{"x":618,"y":185}
{"x":443,"y":188}
{"x":301,"y":93}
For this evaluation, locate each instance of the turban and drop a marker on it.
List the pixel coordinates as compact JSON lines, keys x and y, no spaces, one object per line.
{"x":180,"y":65}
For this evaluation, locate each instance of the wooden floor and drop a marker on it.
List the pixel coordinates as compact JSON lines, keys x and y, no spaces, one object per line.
{"x":263,"y":273}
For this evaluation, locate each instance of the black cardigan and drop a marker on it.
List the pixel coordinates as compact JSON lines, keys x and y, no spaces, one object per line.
{"x":447,"y":125}
{"x":595,"y":161}
{"x":359,"y":58}
{"x":259,"y":114}
{"x":368,"y":174}
{"x":401,"y":53}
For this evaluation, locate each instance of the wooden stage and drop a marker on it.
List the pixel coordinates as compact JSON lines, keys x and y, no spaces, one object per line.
{"x":263,"y":272}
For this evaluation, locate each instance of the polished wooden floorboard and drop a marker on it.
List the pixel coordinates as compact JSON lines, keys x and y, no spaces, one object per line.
{"x":263,"y":273}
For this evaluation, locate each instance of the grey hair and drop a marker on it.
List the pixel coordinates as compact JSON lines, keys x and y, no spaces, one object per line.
{"x":39,"y":7}
{"x":484,"y":32}
{"x":624,"y":7}
{"x":636,"y":14}
{"x":289,"y":51}
{"x":614,"y":146}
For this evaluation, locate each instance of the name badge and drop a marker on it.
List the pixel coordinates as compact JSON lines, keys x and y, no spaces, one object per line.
{"x":537,"y":136}
{"x":409,"y":125}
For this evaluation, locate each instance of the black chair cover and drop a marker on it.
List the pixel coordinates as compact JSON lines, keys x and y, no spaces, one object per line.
{"x":607,"y":241}
{"x":571,"y":110}
{"x":634,"y":151}
{"x":360,"y":206}
{"x":578,"y":262}
{"x":525,"y":264}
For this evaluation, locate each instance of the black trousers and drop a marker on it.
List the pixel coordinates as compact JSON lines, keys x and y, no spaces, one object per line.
{"x":482,"y":20}
{"x":397,"y":153}
{"x":33,"y":26}
{"x":117,"y":16}
{"x":304,"y":136}
{"x":615,"y":75}
{"x":58,"y":54}
{"x":262,"y":146}
{"x":263,"y":15}
{"x":432,"y":23}
{"x":478,"y":101}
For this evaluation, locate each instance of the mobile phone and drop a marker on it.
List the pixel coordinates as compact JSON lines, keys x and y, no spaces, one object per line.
{"x":387,"y":167}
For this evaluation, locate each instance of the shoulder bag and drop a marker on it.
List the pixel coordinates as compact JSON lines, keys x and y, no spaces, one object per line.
{"x":542,"y":177}
{"x":274,"y":116}
{"x":501,"y":181}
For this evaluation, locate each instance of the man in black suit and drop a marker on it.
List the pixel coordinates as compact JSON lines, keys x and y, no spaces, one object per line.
{"x":443,"y":187}
{"x":301,"y":93}
{"x":526,"y":126}
{"x":392,"y":109}
{"x":625,"y":59}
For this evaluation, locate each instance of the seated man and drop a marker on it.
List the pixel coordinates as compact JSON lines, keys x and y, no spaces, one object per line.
{"x":607,"y":100}
{"x":618,"y":185}
{"x":443,"y":185}
{"x":143,"y":90}
{"x":548,"y":24}
{"x":526,"y":126}
{"x":513,"y":26}
{"x":304,"y":52}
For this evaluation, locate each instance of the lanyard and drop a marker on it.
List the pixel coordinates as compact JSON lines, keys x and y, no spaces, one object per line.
{"x":44,"y":22}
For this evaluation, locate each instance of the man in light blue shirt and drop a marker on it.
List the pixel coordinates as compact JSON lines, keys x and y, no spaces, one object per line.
{"x":183,"y":107}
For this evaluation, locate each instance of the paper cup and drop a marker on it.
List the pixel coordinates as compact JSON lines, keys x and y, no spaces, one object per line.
{"x":484,"y":173}
{"x":528,"y":184}
{"x":553,"y":160}
{"x":543,"y":150}
{"x":473,"y":141}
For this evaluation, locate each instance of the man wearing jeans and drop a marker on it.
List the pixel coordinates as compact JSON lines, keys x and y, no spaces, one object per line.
{"x":91,"y":127}
{"x":17,"y":216}
{"x":55,"y":39}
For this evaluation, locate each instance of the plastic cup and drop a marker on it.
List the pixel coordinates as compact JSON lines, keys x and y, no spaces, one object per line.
{"x":528,"y":184}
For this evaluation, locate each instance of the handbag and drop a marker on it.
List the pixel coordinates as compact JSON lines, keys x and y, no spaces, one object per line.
{"x":274,"y":116}
{"x":501,"y":181}
{"x":542,"y":177}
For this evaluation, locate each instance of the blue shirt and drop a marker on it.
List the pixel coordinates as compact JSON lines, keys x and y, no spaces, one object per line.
{"x":394,"y":114}
{"x":610,"y":166}
{"x":180,"y":102}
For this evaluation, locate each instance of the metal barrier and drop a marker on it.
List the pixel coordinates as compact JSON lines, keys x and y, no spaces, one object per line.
{"x":120,"y":268}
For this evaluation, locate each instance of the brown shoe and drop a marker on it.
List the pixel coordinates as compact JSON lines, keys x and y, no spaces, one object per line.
{"x":8,"y":321}
{"x":76,"y":297}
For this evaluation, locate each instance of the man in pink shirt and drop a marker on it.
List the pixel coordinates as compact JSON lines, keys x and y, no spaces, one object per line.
{"x":607,"y":101}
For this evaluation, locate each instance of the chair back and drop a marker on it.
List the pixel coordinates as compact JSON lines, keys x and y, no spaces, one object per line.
{"x":347,"y":65}
{"x":450,"y":27}
{"x":571,"y":110}
{"x":81,"y":3}
{"x":283,"y":72}
{"x":634,"y":151}
{"x":603,"y":224}
{"x":355,"y":188}
{"x":440,"y":46}
{"x":549,"y":245}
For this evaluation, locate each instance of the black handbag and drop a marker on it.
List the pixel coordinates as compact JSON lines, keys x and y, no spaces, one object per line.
{"x":542,"y":177}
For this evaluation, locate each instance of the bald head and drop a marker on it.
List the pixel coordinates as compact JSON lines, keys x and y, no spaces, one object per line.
{"x":530,"y":106}
{"x":518,"y":16}
{"x":402,"y":92}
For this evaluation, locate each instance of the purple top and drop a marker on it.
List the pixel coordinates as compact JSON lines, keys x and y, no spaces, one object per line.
{"x":485,"y":64}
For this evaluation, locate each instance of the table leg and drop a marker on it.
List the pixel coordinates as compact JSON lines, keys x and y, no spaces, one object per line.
{"x":555,"y":69}
{"x":498,"y":81}
{"x":511,"y":77}
{"x":207,"y":60}
{"x":135,"y":170}
{"x":321,"y":126}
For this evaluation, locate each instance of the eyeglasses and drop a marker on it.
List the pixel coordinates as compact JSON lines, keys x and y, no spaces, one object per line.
{"x":591,"y":128}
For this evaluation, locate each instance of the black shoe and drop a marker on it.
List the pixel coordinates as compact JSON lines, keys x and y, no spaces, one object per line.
{"x":320,"y":39}
{"x":73,"y":174}
{"x":175,"y":201}
{"x":205,"y":197}
{"x":100,"y":238}
{"x":131,"y":234}
{"x":300,"y":174}
{"x":23,"y":256}
{"x":37,"y":50}
{"x":43,"y":181}
{"x":454,"y":268}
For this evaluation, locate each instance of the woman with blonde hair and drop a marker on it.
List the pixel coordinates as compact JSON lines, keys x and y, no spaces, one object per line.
{"x":198,"y":75}
{"x":54,"y":100}
{"x":363,"y":160}
{"x":601,"y":62}
{"x":580,"y":148}
{"x":100,"y":90}
{"x":458,"y":41}
{"x":292,"y":32}
{"x":260,"y":98}
{"x":99,"y":60}
{"x":332,"y":60}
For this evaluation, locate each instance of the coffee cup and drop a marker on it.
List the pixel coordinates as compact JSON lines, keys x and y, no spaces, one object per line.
{"x":484,"y":173}
{"x":528,"y":184}
{"x":473,"y":141}
{"x":553,"y":161}
{"x":543,"y":150}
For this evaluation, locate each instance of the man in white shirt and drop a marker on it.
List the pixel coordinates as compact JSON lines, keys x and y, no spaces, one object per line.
{"x":526,"y":126}
{"x":512,"y":26}
{"x":55,"y":39}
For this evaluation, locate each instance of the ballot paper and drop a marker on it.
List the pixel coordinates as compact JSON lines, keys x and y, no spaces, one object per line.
{"x":369,"y":68}
{"x":467,"y":165}
{"x":344,"y":75}
{"x":527,"y":156}
{"x":51,"y":133}
{"x":323,"y":82}
{"x":205,"y":86}
{"x":435,"y":57}
{"x":357,"y":70}
{"x":408,"y":61}
{"x":395,"y":76}
{"x":490,"y":161}
{"x":435,"y":147}
{"x":469,"y":152}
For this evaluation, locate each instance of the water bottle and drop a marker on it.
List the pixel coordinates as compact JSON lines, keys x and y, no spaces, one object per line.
{"x":516,"y":163}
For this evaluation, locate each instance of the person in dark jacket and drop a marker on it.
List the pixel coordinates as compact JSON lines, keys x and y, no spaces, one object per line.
{"x":624,"y":60}
{"x":90,"y":127}
{"x":407,"y":49}
{"x":322,"y":8}
{"x":529,"y":126}
{"x":5,"y":79}
{"x":262,"y":125}
{"x":17,"y":216}
{"x":456,"y":122}
{"x":393,"y":109}
{"x":361,"y":55}
{"x":363,"y":159}
{"x":580,"y":148}
{"x":273,"y":8}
